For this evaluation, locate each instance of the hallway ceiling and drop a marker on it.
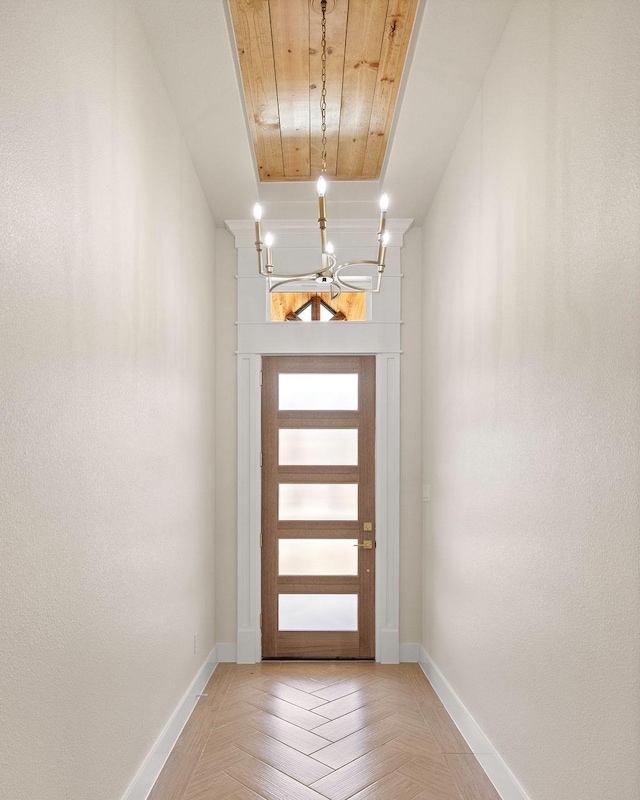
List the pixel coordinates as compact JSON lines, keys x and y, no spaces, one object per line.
{"x":451,"y":47}
{"x":280,"y":55}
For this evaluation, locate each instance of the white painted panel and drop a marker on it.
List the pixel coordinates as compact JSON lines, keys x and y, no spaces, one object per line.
{"x":334,"y":337}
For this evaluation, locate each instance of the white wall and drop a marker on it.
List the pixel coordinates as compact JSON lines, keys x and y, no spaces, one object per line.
{"x":226,"y":439}
{"x":106,"y":394}
{"x":411,"y":440}
{"x":532,"y":357}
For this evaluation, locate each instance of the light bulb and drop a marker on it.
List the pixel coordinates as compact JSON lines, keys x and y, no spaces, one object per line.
{"x":385,"y":238}
{"x":257,"y":212}
{"x":268,"y":239}
{"x":384,"y":202}
{"x":322,"y":186}
{"x":329,"y":248}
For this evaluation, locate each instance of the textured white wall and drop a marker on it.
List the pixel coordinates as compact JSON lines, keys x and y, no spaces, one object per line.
{"x":532,"y":358}
{"x":106,"y":395}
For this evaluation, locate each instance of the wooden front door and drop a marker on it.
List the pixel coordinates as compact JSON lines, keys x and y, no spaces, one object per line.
{"x":318,"y":502}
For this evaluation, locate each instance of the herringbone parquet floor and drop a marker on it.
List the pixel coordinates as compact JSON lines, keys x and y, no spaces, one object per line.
{"x":321,"y":731}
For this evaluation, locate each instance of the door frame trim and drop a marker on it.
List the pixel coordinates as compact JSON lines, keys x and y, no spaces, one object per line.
{"x":249,"y":646}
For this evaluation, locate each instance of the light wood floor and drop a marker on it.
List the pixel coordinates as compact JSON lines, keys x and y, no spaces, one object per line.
{"x":321,"y":731}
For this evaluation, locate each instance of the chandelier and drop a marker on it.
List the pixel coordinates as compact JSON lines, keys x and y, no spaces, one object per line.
{"x":329,"y":272}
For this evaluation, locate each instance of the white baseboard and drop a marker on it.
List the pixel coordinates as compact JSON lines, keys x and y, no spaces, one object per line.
{"x":226,"y":653}
{"x":147,"y":775}
{"x":409,"y":653}
{"x":490,"y":760}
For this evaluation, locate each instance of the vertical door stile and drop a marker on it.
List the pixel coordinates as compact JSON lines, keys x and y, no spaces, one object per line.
{"x":269,"y":510}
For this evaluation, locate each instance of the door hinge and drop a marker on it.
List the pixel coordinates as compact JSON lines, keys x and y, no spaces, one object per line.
{"x":260,"y":540}
{"x":260,"y":621}
{"x":260,"y":377}
{"x":260,"y":459}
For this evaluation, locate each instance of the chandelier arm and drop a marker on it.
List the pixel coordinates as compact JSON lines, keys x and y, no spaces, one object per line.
{"x":299,"y":277}
{"x":352,"y":288}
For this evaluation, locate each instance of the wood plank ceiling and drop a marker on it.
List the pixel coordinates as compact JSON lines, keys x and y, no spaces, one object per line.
{"x":279,"y":49}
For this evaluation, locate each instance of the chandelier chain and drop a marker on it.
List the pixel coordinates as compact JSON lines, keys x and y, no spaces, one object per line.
{"x":323,"y":96}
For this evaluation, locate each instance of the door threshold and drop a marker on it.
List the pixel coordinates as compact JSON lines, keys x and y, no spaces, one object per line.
{"x":311,"y":660}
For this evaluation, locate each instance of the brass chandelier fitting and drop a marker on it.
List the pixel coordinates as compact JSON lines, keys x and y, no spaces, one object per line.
{"x":329,"y":271}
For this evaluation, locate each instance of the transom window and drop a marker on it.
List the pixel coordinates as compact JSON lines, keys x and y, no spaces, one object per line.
{"x":317,"y":307}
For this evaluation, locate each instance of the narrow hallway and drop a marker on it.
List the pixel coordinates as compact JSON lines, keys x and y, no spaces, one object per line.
{"x":503,"y":556}
{"x":318,"y":730}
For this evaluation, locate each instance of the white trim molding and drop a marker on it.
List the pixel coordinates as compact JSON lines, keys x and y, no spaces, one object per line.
{"x":249,"y":640}
{"x":378,"y":335}
{"x":150,"y":769}
{"x":388,"y":508}
{"x":490,"y":760}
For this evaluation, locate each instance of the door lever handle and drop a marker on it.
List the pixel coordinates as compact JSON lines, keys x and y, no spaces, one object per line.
{"x":367,"y":544}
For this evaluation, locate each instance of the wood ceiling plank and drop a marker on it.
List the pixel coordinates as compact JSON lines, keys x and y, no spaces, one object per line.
{"x":399,"y":24}
{"x":279,"y":49}
{"x":336,"y":35}
{"x":290,"y":36}
{"x":252,"y":26}
{"x":366,"y":25}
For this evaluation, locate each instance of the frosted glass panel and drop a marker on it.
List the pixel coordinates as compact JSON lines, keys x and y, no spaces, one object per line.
{"x":321,"y":447}
{"x":318,"y":557}
{"x":313,"y":392}
{"x":318,"y":612}
{"x":318,"y":501}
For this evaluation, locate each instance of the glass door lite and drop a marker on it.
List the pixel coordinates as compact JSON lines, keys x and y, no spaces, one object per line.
{"x":318,"y":501}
